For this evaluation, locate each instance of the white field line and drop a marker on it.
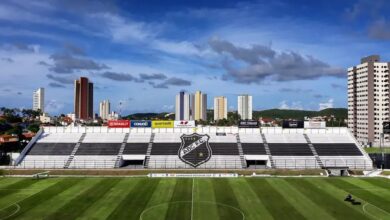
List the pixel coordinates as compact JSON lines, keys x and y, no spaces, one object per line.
{"x":207,"y":202}
{"x":192,"y":200}
{"x":12,"y":214}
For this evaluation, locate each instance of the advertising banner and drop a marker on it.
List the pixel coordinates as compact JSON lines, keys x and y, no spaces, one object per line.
{"x":248,"y":124}
{"x":184,"y":124}
{"x":293,"y":124}
{"x":140,"y":123}
{"x":118,"y":123}
{"x":162,"y":124}
{"x":315,"y":124}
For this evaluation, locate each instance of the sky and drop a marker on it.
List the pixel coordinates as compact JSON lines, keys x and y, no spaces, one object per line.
{"x":140,"y":54}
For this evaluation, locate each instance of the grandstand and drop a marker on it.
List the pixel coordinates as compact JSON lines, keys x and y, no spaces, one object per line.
{"x":231,"y":148}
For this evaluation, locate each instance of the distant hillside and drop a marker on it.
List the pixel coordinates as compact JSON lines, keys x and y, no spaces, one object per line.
{"x":339,"y":113}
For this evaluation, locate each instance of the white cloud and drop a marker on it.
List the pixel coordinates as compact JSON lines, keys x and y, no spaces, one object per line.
{"x":295,"y":105}
{"x":325,"y":105}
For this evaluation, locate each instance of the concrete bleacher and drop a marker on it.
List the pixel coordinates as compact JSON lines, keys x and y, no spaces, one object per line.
{"x":251,"y":138}
{"x":135,"y":148}
{"x":139,"y":138}
{"x":104,"y":138}
{"x":295,"y":162}
{"x":98,"y":149}
{"x":253,"y":149}
{"x":215,"y":162}
{"x":51,"y":148}
{"x":44,"y":161}
{"x":59,"y":138}
{"x":288,"y":148}
{"x":285,"y":138}
{"x":93,"y":162}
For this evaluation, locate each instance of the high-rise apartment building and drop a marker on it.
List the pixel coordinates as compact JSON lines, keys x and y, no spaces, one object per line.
{"x":220,"y":108}
{"x":39,"y":100}
{"x":368,"y":99}
{"x":83,"y":98}
{"x":104,"y":109}
{"x":244,"y":107}
{"x":183,"y":106}
{"x":200,"y":106}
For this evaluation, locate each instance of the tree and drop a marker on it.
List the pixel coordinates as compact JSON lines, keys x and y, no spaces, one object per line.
{"x":33,"y":128}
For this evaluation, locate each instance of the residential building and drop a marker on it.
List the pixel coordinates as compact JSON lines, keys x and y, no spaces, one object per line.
{"x":368,"y":99}
{"x":245,"y":107}
{"x":220,"y":108}
{"x":104,"y":109}
{"x":39,"y":100}
{"x":83,"y":99}
{"x":183,"y":106}
{"x":200,"y":106}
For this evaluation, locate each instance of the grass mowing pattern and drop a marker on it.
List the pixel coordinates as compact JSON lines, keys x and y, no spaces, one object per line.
{"x":267,"y":198}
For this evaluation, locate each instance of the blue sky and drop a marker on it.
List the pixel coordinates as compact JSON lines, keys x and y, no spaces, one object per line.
{"x":286,"y":54}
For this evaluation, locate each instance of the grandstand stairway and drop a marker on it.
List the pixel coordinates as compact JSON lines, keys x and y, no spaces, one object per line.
{"x":267,"y":150}
{"x":76,"y":147}
{"x":313,"y":150}
{"x":120,"y":153}
{"x":147,"y":156}
{"x":241,"y":152}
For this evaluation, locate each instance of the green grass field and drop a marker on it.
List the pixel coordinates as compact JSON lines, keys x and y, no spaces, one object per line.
{"x":199,"y":198}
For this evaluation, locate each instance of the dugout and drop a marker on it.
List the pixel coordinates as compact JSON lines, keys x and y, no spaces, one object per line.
{"x":337,"y":171}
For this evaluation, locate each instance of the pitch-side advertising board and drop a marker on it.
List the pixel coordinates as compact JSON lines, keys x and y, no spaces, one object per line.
{"x":118,"y":123}
{"x":162,"y":124}
{"x":184,"y":124}
{"x":140,"y":123}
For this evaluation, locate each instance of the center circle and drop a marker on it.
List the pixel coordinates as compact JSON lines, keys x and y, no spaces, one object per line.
{"x":192,"y":210}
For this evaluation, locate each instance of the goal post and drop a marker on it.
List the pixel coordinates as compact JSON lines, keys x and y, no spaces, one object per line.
{"x":41,"y":175}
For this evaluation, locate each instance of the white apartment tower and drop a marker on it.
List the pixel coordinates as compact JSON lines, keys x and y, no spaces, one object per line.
{"x":368,"y":99}
{"x":39,"y":100}
{"x":220,"y":108}
{"x":104,"y":109}
{"x":183,"y":106}
{"x":245,"y":107}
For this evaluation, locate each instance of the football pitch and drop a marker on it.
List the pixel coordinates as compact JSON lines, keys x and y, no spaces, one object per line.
{"x":193,"y":198}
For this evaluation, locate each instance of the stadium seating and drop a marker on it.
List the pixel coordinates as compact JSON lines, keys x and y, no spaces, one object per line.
{"x":136,"y":148}
{"x":98,"y":149}
{"x":253,"y":148}
{"x":287,"y":148}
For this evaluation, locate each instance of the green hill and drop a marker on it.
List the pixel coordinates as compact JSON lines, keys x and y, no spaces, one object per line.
{"x":339,"y":113}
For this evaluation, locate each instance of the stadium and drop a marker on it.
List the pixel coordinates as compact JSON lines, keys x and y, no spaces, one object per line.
{"x":193,"y":173}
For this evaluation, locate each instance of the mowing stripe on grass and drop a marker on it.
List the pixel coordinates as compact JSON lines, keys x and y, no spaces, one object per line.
{"x":36,"y":199}
{"x":370,"y":187}
{"x":16,"y":187}
{"x":379,"y":182}
{"x":224,"y":194}
{"x":182,"y":192}
{"x":136,"y":200}
{"x":250,"y":204}
{"x":203,"y":191}
{"x":49,"y":206}
{"x":106,"y":204}
{"x":76,"y":206}
{"x":300,"y":201}
{"x":158,"y":204}
{"x":336,"y":208}
{"x":366,"y":195}
{"x":275,"y":203}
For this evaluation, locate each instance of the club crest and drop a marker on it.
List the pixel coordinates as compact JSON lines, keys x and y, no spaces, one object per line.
{"x":195,"y":149}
